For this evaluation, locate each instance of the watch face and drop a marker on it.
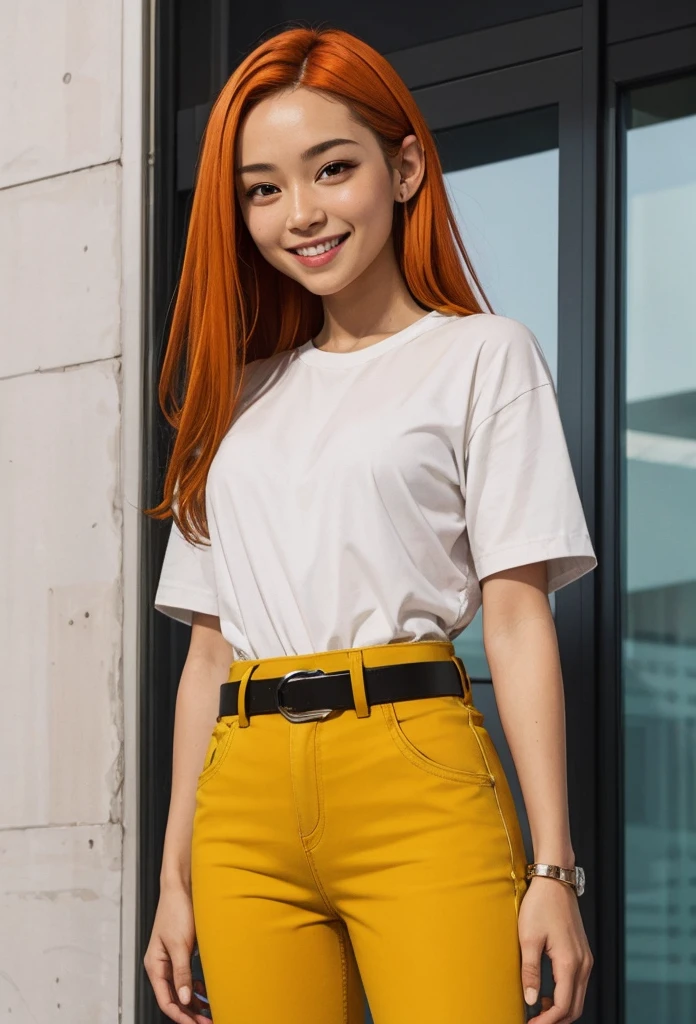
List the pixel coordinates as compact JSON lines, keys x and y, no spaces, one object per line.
{"x":580,"y":880}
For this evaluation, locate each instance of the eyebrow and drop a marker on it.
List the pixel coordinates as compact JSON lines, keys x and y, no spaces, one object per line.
{"x":321,"y":147}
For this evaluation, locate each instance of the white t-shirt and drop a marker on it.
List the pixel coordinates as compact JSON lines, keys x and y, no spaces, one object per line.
{"x":359,"y":497}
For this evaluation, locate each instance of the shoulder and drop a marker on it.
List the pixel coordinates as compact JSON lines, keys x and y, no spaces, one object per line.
{"x":258,"y":373}
{"x":505,"y":361}
{"x":498,"y":356}
{"x":499,"y":341}
{"x":484,"y":342}
{"x":506,"y":355}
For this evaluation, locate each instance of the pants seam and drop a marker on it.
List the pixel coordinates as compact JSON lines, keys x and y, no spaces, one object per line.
{"x":320,"y":825}
{"x":513,"y":873}
{"x":344,"y":969}
{"x":318,"y":777}
{"x":308,"y":854}
{"x":322,"y":892}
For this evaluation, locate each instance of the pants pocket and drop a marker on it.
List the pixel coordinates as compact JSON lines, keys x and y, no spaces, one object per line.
{"x":506,"y":804}
{"x":435,"y":734}
{"x":218,"y":747}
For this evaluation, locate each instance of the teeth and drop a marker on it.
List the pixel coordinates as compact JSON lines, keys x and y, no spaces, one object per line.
{"x":316,"y":250}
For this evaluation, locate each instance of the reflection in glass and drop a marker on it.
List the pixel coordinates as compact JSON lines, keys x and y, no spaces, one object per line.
{"x":659,"y":550}
{"x":502,"y":177}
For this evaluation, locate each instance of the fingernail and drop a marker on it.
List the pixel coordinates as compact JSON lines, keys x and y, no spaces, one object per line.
{"x":530,"y":996}
{"x":184,"y":994}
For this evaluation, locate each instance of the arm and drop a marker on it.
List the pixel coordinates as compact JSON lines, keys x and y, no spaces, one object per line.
{"x":519,"y":638}
{"x":167,"y":959}
{"x":520,"y":641}
{"x":206,"y":667}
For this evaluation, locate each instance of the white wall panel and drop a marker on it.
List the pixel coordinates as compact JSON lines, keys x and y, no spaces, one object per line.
{"x":60,"y":82}
{"x":71,"y":139}
{"x":60,"y":271}
{"x":59,"y":941}
{"x":60,"y":590}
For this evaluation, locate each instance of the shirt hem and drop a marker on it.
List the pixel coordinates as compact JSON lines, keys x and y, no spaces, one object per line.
{"x":568,"y":557}
{"x":180,"y":604}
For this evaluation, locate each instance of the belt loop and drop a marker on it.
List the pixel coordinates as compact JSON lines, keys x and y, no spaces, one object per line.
{"x":241,"y":695}
{"x":464,"y":676}
{"x":357,"y":682}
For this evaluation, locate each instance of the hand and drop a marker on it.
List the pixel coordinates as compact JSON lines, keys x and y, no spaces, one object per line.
{"x":168,"y":958}
{"x":550,"y":922}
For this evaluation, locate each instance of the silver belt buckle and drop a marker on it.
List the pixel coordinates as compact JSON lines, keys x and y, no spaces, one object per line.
{"x":300,"y":716}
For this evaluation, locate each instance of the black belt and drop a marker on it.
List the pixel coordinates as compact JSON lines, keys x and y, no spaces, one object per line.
{"x":311,"y":693}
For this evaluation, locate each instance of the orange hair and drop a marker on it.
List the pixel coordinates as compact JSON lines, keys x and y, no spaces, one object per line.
{"x":220,"y":322}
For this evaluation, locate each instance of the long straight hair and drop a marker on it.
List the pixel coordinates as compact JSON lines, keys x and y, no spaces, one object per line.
{"x":231,"y":306}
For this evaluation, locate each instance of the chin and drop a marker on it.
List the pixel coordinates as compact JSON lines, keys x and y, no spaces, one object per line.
{"x":325,"y":287}
{"x":323,"y":283}
{"x":325,"y":290}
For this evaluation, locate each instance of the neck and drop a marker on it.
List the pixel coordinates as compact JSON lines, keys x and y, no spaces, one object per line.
{"x":373,"y":307}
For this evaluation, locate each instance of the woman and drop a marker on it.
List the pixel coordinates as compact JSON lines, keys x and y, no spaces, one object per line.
{"x":372,"y":456}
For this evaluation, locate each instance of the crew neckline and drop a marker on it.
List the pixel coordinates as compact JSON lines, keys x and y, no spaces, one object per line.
{"x":309,"y":353}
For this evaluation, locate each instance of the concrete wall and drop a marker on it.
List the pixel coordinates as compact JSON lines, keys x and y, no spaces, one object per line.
{"x":71,"y":185}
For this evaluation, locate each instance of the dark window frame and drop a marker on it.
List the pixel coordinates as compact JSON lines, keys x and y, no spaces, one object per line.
{"x":635,"y":62}
{"x":560,"y":58}
{"x":558,"y":80}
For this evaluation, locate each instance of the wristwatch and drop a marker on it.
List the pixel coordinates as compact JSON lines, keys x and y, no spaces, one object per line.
{"x":574,"y":877}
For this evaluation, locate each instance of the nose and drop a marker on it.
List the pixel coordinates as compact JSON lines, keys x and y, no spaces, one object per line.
{"x":303,"y":212}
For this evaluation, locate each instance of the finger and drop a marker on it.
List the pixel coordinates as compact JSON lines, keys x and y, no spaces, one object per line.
{"x":159,"y":972}
{"x":180,"y":956}
{"x":581,"y":983}
{"x":546,"y":1002}
{"x":166,"y":1002}
{"x":199,"y":1002}
{"x":531,"y":948}
{"x":563,"y":994}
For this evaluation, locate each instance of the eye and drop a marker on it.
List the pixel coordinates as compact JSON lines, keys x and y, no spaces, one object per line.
{"x":252,"y":191}
{"x":336,"y":163}
{"x":340,"y":164}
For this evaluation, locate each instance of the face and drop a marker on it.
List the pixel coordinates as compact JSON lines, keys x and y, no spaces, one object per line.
{"x":310,"y":176}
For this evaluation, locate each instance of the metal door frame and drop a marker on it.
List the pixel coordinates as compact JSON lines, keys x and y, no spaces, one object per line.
{"x":562,"y":59}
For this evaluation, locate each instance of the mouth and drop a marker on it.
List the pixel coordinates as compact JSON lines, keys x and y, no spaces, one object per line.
{"x":318,"y":255}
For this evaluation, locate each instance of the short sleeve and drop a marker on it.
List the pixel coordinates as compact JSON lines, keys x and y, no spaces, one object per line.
{"x":187,"y":579}
{"x":521,"y":500}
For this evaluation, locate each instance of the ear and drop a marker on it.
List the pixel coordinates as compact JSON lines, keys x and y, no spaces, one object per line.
{"x":409,"y":169}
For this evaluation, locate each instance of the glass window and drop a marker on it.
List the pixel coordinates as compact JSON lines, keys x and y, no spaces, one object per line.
{"x":659,"y":548}
{"x":502,"y":177}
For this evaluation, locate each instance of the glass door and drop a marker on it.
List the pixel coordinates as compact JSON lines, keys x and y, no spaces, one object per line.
{"x":510,"y":157}
{"x":658,"y":129}
{"x":503,"y":180}
{"x":511,"y":148}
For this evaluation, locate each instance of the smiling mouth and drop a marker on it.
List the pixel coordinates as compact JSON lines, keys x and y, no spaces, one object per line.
{"x":319,"y":250}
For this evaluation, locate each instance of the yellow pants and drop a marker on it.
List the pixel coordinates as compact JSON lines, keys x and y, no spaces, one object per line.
{"x":378,"y":847}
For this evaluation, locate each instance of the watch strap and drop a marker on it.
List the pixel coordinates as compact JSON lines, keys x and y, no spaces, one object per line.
{"x":574,"y":877}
